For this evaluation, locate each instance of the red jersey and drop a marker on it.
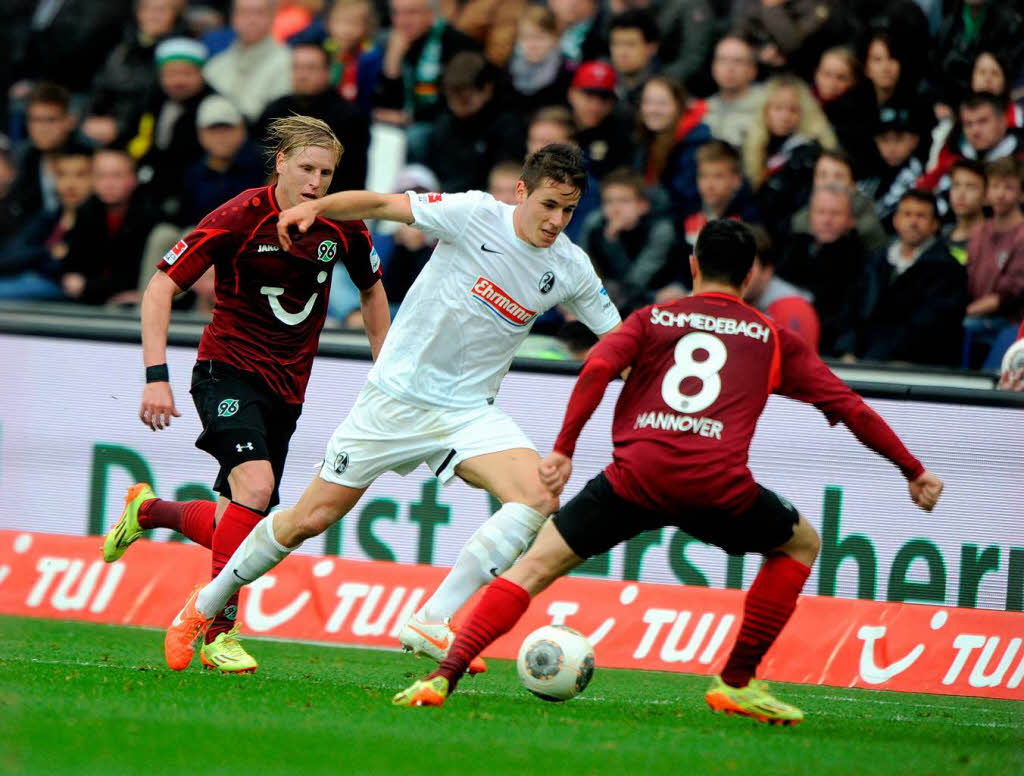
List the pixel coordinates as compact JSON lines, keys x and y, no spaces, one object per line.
{"x":270,"y":305}
{"x":702,"y":369}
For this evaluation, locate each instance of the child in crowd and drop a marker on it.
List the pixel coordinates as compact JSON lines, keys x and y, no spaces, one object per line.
{"x":540,"y":72}
{"x":966,"y":200}
{"x":31,"y":262}
{"x":898,"y":167}
{"x":630,"y":248}
{"x":723,"y":192}
{"x":501,"y":182}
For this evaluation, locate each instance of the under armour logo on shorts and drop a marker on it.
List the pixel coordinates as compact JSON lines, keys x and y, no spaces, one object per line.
{"x":246,"y":446}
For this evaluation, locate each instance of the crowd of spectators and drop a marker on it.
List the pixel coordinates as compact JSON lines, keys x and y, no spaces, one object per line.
{"x":877,"y":147}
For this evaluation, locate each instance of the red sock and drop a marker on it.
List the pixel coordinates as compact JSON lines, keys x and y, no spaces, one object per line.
{"x":769,"y":604}
{"x":235,"y":524}
{"x":194,"y":519}
{"x":499,"y":610}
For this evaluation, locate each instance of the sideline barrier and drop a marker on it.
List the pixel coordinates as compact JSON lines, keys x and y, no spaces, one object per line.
{"x":69,"y":420}
{"x":849,"y":643}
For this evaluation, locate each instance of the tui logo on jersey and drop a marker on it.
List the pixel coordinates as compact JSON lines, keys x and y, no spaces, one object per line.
{"x":547,"y":282}
{"x":326,"y":250}
{"x":175,"y":253}
{"x":495,"y":299}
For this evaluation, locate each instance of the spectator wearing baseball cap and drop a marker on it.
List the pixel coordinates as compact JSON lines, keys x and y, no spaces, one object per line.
{"x":166,"y":139}
{"x":230,"y":163}
{"x":601,"y":131}
{"x":897,"y":166}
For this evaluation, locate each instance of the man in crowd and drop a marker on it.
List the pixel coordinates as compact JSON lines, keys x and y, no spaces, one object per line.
{"x":476,"y":132}
{"x":254,"y":70}
{"x":50,"y":124}
{"x":733,"y":108}
{"x":914,"y":292}
{"x":312,"y":95}
{"x":828,"y":262}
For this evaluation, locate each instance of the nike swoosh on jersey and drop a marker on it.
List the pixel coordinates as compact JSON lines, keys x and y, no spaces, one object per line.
{"x":442,"y":645}
{"x":485,"y":249}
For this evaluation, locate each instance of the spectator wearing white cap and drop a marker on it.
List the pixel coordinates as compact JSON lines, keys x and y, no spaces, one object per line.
{"x":166,"y":140}
{"x":230,"y":162}
{"x":255,"y":69}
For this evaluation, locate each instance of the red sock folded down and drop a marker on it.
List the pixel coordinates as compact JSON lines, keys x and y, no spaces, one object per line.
{"x":235,"y":524}
{"x":502,"y":605}
{"x":769,"y":604}
{"x":194,"y":519}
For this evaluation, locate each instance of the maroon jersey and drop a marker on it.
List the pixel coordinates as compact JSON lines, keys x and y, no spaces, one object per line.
{"x":702,"y":369}
{"x":271,"y":305}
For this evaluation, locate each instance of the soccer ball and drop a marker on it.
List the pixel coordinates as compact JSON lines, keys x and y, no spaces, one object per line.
{"x":555,"y":663}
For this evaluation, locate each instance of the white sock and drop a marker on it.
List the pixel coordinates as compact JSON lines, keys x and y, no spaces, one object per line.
{"x":255,"y":556}
{"x":490,"y":551}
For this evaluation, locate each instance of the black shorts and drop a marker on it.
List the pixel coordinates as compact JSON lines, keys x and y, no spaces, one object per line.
{"x":597,"y":519}
{"x":243,"y":420}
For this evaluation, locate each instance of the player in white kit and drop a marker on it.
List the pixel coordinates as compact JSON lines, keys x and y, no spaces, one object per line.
{"x":429,"y":397}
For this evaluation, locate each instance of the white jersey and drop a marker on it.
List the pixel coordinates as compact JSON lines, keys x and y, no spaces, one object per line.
{"x":476,"y":300}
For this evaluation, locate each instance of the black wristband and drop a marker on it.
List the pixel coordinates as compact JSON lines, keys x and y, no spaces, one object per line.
{"x":157,"y":374}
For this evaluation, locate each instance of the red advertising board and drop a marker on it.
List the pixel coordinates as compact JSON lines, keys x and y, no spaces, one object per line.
{"x":829,"y":641}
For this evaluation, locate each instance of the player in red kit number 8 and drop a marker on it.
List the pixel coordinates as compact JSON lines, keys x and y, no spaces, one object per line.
{"x":702,"y":369}
{"x":255,"y":356}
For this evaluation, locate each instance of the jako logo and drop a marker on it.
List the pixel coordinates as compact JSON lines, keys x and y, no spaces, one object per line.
{"x":501,"y":304}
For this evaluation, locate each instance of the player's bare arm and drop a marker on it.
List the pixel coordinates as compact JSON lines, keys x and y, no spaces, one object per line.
{"x":343,"y":206}
{"x":157,"y":407}
{"x":373,"y":303}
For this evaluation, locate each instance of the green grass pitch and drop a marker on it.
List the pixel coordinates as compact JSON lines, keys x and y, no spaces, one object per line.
{"x":95,"y":699}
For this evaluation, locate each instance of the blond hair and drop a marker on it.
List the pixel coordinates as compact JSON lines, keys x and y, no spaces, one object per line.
{"x":291,"y":133}
{"x":813,"y":125}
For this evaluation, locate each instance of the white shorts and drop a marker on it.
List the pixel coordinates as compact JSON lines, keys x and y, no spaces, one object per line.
{"x":383,"y":434}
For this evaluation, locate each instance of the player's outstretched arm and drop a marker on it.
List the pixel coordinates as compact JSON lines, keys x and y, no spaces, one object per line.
{"x":343,"y":206}
{"x":925,"y":491}
{"x":157,"y":407}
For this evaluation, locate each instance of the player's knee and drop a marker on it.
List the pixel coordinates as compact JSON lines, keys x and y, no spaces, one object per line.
{"x":541,"y":500}
{"x":806,"y":539}
{"x":252,"y":488}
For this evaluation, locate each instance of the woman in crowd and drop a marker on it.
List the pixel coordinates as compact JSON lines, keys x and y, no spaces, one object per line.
{"x":671,"y":129}
{"x":781,"y":148}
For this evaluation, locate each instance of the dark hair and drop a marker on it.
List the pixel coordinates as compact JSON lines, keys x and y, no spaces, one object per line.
{"x":971,"y":166}
{"x":836,"y":155}
{"x":73,"y":147}
{"x":924,"y":196}
{"x":626,"y":176}
{"x":636,"y":19}
{"x":560,"y":162}
{"x":467,"y":70}
{"x":725,"y":251}
{"x":763,"y":241}
{"x":49,"y":94}
{"x":314,"y":45}
{"x":975,"y":100}
{"x":720,"y":151}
